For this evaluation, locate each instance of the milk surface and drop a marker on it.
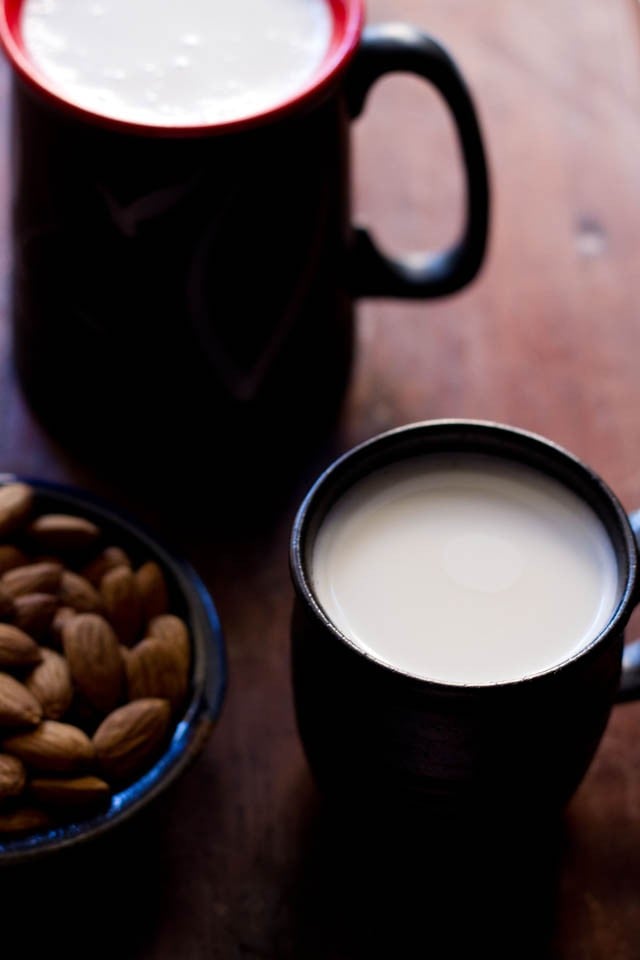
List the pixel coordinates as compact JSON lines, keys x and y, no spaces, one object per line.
{"x":465,"y":569}
{"x":177,"y":62}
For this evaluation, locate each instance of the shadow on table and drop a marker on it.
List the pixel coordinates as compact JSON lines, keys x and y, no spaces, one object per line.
{"x":402,"y":890}
{"x":196,"y":491}
{"x":100,"y":900}
{"x":227,"y":476}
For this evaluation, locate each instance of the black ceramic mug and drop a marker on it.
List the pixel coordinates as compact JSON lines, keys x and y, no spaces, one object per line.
{"x":204,"y":276}
{"x":376,"y":734}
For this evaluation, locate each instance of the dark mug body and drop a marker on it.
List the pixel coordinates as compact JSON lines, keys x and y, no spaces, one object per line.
{"x":377,"y":735}
{"x":164,"y":284}
{"x":191,"y":289}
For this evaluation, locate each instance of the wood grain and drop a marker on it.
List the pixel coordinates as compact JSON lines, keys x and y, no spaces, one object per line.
{"x":241,"y":860}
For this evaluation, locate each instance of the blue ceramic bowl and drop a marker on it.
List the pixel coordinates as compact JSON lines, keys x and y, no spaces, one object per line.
{"x":191,"y":601}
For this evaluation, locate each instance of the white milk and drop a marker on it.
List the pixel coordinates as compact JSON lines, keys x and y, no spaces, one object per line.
{"x":177,"y":62}
{"x":465,"y":569}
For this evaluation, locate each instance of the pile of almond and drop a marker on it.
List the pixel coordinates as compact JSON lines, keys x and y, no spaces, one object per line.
{"x":93,"y":665}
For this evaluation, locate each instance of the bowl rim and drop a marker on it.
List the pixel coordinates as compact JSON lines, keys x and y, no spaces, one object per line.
{"x":209,"y":678}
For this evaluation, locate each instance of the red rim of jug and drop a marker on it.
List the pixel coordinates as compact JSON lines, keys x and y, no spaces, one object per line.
{"x":348,"y":17}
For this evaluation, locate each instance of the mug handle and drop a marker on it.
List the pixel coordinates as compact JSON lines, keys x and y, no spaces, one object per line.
{"x":392,"y":48}
{"x":629,"y":688}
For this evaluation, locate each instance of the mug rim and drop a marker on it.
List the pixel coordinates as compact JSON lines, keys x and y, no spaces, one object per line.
{"x":348,"y":19}
{"x":332,"y":475}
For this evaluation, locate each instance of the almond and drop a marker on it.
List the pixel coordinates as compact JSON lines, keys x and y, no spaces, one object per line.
{"x":74,"y":792}
{"x":156,"y":668}
{"x":93,"y":654}
{"x":152,"y":588}
{"x":24,"y":820}
{"x":61,"y":532}
{"x":175,"y":631}
{"x":13,"y":776}
{"x":18,"y":706}
{"x":6,"y":605}
{"x":52,"y":746}
{"x":76,"y":592}
{"x":34,"y":612}
{"x":50,"y":683}
{"x":11,"y":557}
{"x":119,"y":589}
{"x":41,"y":577}
{"x":17,"y":648}
{"x":128,"y":739}
{"x":109,"y":558}
{"x":62,"y":615}
{"x":16,"y":500}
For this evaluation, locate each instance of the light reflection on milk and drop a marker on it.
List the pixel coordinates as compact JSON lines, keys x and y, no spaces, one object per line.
{"x":465,"y":569}
{"x":177,"y":62}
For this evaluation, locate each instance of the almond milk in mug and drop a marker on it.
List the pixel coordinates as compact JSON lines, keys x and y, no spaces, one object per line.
{"x":177,"y":63}
{"x":462,"y":590}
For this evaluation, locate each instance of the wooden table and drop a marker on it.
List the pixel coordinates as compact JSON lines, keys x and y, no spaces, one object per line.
{"x":241,"y":860}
